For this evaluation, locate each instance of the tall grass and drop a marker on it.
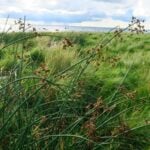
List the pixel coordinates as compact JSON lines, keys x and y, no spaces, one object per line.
{"x":63,"y":98}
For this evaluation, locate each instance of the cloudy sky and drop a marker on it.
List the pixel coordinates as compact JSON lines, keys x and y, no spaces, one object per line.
{"x":104,"y":13}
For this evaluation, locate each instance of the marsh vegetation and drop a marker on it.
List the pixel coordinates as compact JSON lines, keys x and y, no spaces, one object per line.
{"x":72,"y":91}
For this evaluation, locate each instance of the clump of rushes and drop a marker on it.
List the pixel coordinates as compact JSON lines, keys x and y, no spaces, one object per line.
{"x":37,"y":56}
{"x":63,"y":103}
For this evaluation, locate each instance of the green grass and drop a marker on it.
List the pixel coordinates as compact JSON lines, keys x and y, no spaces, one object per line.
{"x":65,"y":99}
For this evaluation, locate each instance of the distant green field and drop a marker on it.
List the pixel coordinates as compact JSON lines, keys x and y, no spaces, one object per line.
{"x":71,"y":91}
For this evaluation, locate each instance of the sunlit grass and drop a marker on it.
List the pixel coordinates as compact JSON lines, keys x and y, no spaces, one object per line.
{"x":58,"y":100}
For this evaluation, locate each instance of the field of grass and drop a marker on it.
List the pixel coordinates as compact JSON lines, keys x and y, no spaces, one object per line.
{"x":66,"y":91}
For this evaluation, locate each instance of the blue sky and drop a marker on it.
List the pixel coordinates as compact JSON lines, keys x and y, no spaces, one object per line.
{"x":105,"y":13}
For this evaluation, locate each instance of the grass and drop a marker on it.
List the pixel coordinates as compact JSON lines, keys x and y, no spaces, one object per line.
{"x":62,"y":98}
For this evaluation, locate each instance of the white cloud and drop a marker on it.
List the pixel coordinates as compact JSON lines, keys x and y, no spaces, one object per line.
{"x":142,"y":8}
{"x":83,"y":12}
{"x":108,"y":22}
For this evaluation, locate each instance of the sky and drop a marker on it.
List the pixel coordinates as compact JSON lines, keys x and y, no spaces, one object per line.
{"x":95,"y":13}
